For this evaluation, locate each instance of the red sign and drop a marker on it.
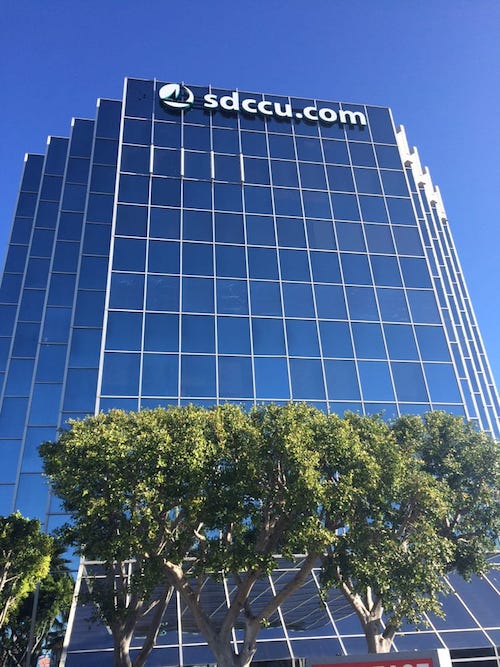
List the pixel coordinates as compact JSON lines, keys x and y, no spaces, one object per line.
{"x":417,"y":662}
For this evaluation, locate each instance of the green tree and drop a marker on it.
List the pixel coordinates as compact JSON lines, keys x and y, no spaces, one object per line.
{"x":187,"y":493}
{"x":425,"y":503}
{"x":25,"y":554}
{"x":53,"y":599}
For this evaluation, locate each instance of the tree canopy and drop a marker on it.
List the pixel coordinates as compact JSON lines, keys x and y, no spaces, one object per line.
{"x":164,"y":499}
{"x":25,"y":554}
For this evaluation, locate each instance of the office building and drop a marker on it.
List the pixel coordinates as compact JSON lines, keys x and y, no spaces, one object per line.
{"x":193,"y":244}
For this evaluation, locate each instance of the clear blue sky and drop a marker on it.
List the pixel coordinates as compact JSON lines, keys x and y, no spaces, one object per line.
{"x":435,"y":62}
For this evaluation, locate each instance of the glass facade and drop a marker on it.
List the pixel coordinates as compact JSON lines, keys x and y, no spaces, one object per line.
{"x":256,"y":253}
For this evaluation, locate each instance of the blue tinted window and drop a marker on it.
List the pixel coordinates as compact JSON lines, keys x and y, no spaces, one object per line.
{"x":232,"y":296}
{"x":129,"y":254}
{"x":294,"y":265}
{"x":131,"y":220}
{"x":409,"y":382}
{"x":32,"y":495}
{"x":381,"y":125}
{"x":31,"y":305}
{"x":233,"y":335}
{"x":105,"y":152}
{"x":197,"y":375}
{"x":78,"y":169}
{"x":312,"y":176}
{"x":356,"y":269}
{"x":362,"y":155}
{"x":375,"y":381}
{"x":10,"y":455}
{"x":379,"y":238}
{"x":137,"y":131}
{"x":262,"y":263}
{"x":230,"y":261}
{"x":85,"y":347}
{"x":121,"y":374}
{"x":408,"y":241}
{"x":103,"y":179}
{"x":268,"y":336}
{"x":165,"y":223}
{"x":89,"y":309}
{"x":257,"y":199}
{"x":320,"y":234}
{"x":340,"y":179}
{"x":302,"y":338}
{"x":372,"y":209}
{"x":161,"y":332}
{"x":197,"y":295}
{"x":45,"y":404}
{"x":20,"y":377}
{"x":291,"y":232}
{"x":316,"y":204}
{"x":197,"y":226}
{"x":253,"y":143}
{"x":368,"y":341}
{"x":167,"y":134}
{"x":432,"y":344}
{"x":164,"y":256}
{"x":56,"y":327}
{"x":12,"y":417}
{"x":51,"y":188}
{"x":16,"y":257}
{"x":127,"y":291}
{"x":225,"y":141}
{"x":307,"y":379}
{"x":197,"y":165}
{"x":442,"y":383}
{"x":228,"y":168}
{"x":335,"y":339}
{"x":325,"y":267}
{"x":11,"y":287}
{"x":70,"y":227}
{"x":160,"y":375}
{"x":167,"y":191}
{"x":336,"y":152}
{"x":108,"y":119}
{"x":345,"y":207}
{"x":197,"y":259}
{"x":260,"y":230}
{"x":394,"y":183}
{"x":271,"y":378}
{"x":281,"y":146}
{"x":362,"y":304}
{"x":62,"y":289}
{"x":423,"y":306}
{"x":133,"y":189}
{"x":235,"y":377}
{"x":37,"y":272}
{"x":415,"y":272}
{"x":400,"y":342}
{"x":392,"y":304}
{"x":198,"y":333}
{"x":197,"y":138}
{"x":401,"y":211}
{"x":350,"y":237}
{"x":56,"y":153}
{"x":298,"y":300}
{"x":96,"y":242}
{"x":99,"y":209}
{"x":309,"y":149}
{"x":124,"y":331}
{"x":229,"y":228}
{"x":287,"y":202}
{"x":265,"y":297}
{"x":284,"y":173}
{"x":330,"y":302}
{"x":367,"y":180}
{"x":93,"y":272}
{"x":385,"y":271}
{"x":388,"y":157}
{"x":342,"y":380}
{"x":168,"y":163}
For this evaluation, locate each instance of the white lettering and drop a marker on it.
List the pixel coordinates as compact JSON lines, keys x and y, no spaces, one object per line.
{"x":286,"y":112}
{"x":249,"y":105}
{"x":328,"y":115}
{"x":311,"y":113}
{"x":230,"y":102}
{"x":352,"y":117}
{"x":265,"y":108}
{"x":211,"y":101}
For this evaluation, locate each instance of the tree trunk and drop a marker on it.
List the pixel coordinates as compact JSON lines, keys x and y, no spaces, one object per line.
{"x":374,"y":634}
{"x":121,"y":646}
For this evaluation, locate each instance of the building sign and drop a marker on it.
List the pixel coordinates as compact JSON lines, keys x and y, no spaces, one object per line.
{"x":432,"y":658}
{"x":178,"y":97}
